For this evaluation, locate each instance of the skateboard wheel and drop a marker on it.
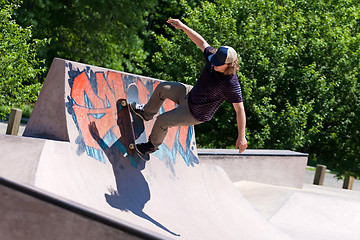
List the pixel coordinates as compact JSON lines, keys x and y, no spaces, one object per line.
{"x":123,"y":103}
{"x":132,"y":146}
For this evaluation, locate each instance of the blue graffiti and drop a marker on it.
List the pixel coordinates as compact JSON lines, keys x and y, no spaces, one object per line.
{"x":187,"y":154}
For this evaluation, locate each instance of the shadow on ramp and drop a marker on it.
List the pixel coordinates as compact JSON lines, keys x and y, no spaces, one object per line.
{"x":132,"y":189}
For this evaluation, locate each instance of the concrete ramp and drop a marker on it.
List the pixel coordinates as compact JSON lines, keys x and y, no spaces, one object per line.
{"x":319,"y":217}
{"x":172,"y":196}
{"x":314,"y":212}
{"x":32,"y":213}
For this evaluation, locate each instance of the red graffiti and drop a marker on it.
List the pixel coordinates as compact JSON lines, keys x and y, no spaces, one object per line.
{"x":96,"y":102}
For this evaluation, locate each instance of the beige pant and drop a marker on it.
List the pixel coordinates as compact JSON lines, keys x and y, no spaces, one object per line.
{"x":179,"y":116}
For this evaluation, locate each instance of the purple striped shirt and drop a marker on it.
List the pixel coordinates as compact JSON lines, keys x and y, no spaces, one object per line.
{"x":211,"y":89}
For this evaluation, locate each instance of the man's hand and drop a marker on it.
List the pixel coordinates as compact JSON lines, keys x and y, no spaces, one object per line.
{"x":241,"y":144}
{"x":194,"y":36}
{"x":176,"y":23}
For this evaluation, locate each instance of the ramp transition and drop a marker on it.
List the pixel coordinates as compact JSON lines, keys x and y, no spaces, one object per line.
{"x":172,"y":196}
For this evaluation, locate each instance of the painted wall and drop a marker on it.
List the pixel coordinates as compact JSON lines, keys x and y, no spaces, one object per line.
{"x":93,"y":97}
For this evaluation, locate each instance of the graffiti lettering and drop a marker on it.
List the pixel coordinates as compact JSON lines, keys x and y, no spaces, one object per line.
{"x":92,"y":100}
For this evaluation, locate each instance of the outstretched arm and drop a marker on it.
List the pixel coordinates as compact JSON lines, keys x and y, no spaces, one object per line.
{"x":241,"y":142}
{"x":194,"y":36}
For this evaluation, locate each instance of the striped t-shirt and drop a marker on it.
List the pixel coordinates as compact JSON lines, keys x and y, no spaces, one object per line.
{"x":211,"y":89}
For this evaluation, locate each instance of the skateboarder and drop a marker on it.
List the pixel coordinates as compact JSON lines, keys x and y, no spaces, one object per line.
{"x":217,"y":82}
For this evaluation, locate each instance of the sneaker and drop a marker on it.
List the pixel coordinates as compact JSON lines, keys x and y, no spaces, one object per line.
{"x":138,"y":109}
{"x":145,"y":148}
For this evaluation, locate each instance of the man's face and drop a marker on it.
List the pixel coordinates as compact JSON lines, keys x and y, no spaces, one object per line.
{"x":221,"y":68}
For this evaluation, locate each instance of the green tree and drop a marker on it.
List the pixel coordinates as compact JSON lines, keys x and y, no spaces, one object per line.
{"x":299,"y":62}
{"x":19,"y":66}
{"x":164,"y":9}
{"x":99,"y":32}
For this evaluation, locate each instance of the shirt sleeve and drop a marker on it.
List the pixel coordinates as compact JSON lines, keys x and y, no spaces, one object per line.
{"x":233,"y":93}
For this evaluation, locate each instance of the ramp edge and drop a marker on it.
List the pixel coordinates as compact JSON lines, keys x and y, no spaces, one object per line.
{"x":128,"y":228}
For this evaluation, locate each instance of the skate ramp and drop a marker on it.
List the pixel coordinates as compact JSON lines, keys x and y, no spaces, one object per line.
{"x":31,"y":213}
{"x":318,"y":217}
{"x":171,"y":196}
{"x":314,"y":212}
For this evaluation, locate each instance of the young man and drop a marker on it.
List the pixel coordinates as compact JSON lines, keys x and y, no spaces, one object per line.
{"x":218,"y":82}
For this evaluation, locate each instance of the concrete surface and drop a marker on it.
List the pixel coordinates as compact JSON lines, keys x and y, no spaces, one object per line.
{"x":30,"y":214}
{"x":314,"y":212}
{"x":276,"y":167}
{"x":3,"y":127}
{"x":172,"y":195}
{"x":49,"y":119}
{"x":330,"y":179}
{"x":20,"y":161}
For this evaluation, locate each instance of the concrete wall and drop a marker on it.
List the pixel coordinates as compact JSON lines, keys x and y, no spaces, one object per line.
{"x":276,"y":167}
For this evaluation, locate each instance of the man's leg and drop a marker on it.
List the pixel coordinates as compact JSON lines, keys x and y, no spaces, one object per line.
{"x":177,"y":92}
{"x":179,"y":116}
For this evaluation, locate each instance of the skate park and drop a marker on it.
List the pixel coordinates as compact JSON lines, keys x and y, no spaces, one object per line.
{"x":58,"y":182}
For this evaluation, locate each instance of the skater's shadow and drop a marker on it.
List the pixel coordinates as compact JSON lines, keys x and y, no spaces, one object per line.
{"x":132,"y":191}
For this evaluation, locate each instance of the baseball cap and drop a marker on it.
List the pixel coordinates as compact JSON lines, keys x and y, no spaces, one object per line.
{"x":224,"y":55}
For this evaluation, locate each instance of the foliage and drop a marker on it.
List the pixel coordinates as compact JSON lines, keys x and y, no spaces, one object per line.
{"x":98,"y":32}
{"x":299,"y":61}
{"x":299,"y":73}
{"x":19,"y":66}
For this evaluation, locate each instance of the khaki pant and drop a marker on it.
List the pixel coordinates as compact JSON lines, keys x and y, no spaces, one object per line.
{"x":179,"y":116}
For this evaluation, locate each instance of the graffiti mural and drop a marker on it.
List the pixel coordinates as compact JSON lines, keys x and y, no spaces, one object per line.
{"x":93,"y":102}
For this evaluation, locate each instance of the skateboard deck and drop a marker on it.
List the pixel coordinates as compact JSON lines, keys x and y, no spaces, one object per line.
{"x":130,"y":134}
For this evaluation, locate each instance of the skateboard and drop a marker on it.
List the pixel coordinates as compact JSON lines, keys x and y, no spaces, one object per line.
{"x":127,"y":120}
